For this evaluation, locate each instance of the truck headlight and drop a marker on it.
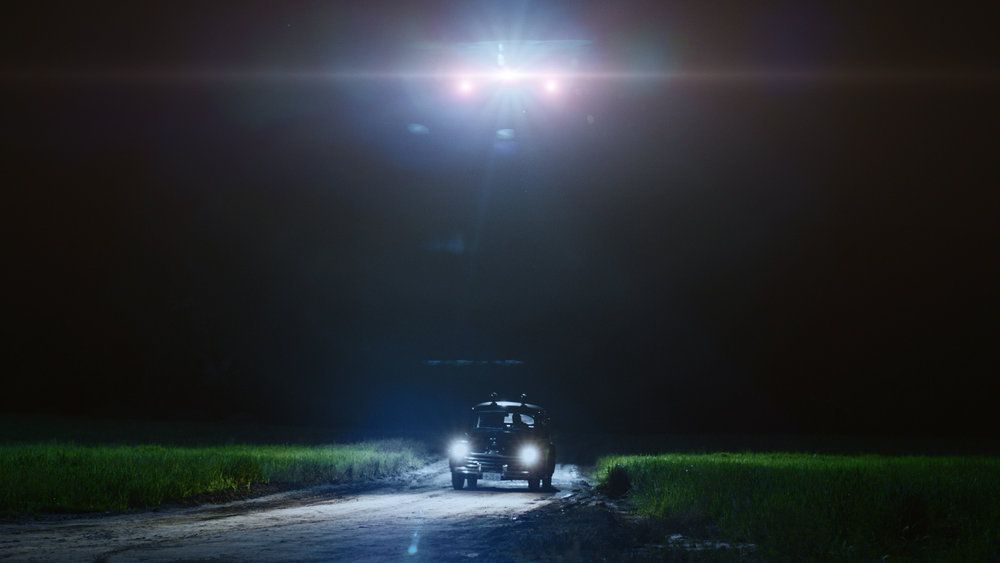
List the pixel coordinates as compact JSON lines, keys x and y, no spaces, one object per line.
{"x":530,"y":454}
{"x":458,"y":449}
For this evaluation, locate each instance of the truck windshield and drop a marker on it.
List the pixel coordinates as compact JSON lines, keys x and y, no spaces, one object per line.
{"x":499,"y":420}
{"x":496,"y":420}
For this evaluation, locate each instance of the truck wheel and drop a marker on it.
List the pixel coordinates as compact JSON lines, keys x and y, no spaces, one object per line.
{"x":532,"y":484}
{"x":547,"y":483}
{"x":457,"y":480}
{"x":472,"y":481}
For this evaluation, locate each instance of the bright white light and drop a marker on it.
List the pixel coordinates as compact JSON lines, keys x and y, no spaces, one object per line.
{"x":459,"y":449}
{"x":509,"y":75}
{"x":465,"y":87}
{"x":551,"y":86}
{"x":530,"y":454}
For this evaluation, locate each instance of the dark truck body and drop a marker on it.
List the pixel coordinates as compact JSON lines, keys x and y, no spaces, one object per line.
{"x":506,"y":441}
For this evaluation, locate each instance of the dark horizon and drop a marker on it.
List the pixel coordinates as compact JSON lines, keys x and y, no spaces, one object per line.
{"x":755,"y":254}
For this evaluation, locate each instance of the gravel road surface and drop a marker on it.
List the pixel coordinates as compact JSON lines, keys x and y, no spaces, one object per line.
{"x":419,"y":518}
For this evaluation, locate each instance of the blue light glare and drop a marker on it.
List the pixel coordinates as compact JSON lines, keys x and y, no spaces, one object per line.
{"x":412,"y":550}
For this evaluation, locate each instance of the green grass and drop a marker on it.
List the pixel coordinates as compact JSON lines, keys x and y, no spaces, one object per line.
{"x":824,"y":507}
{"x":78,"y":478}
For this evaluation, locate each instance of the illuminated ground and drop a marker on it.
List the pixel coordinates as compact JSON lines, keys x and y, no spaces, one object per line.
{"x":421,"y":518}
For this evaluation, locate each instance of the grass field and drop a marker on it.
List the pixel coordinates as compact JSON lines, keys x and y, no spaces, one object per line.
{"x":825,"y":507}
{"x":66,"y":477}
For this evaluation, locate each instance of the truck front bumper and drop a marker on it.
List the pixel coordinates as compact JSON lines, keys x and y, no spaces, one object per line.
{"x":509,"y":468}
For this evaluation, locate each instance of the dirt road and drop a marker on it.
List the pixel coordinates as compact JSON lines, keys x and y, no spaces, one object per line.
{"x":420,"y":518}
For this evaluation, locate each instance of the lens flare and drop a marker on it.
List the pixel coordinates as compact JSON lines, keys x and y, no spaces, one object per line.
{"x":509,"y":75}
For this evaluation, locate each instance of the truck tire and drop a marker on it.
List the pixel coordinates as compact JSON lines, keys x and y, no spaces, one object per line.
{"x":457,"y":480}
{"x":532,"y":484}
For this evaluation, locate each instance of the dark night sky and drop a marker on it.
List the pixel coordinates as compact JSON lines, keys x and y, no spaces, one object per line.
{"x":810,"y":254}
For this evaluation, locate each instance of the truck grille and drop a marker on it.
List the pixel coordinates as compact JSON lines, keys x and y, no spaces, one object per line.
{"x":492,"y":463}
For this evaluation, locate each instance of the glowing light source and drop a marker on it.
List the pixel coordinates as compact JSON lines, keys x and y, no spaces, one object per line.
{"x":465,"y":87}
{"x":459,"y":449}
{"x":551,"y":86}
{"x":530,"y":454}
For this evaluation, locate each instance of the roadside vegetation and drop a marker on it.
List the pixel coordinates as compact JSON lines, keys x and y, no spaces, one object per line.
{"x":825,"y":507}
{"x":61,"y":477}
